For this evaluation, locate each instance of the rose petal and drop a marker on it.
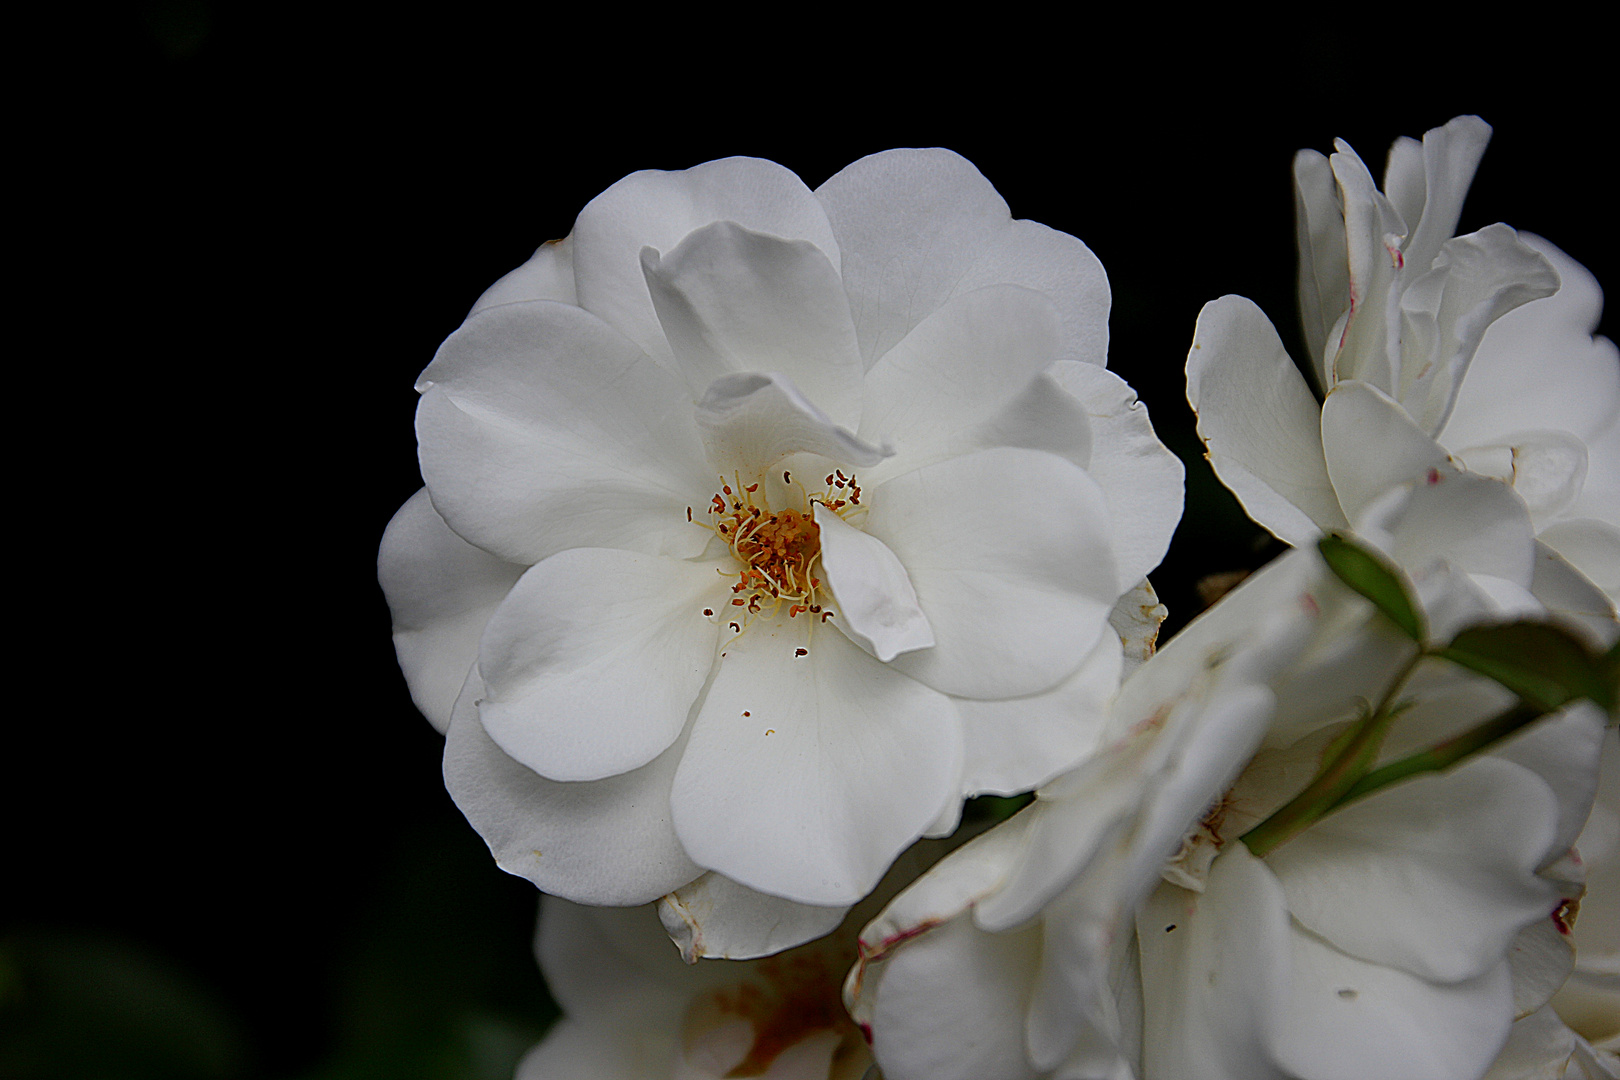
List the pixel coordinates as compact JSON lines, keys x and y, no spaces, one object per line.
{"x":752,"y":421}
{"x":830,"y":755}
{"x":1371,"y":445}
{"x":1259,"y":422}
{"x":556,"y":654}
{"x":877,"y":606}
{"x":541,"y":429}
{"x":548,"y":275}
{"x":1018,"y":744}
{"x":1445,"y":312}
{"x":441,"y":591}
{"x":731,"y":300}
{"x":1346,"y":1019}
{"x":950,"y":1003}
{"x":1324,"y":275}
{"x":598,"y":842}
{"x":659,"y":209}
{"x":1406,"y":879}
{"x":1140,"y":479}
{"x":716,"y":917}
{"x":919,"y":227}
{"x":995,"y":543}
{"x":1214,"y":973}
{"x":1450,"y":155}
{"x":960,"y":367}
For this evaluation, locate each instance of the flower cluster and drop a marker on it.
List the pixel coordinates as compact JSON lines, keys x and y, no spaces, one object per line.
{"x":762,"y":526}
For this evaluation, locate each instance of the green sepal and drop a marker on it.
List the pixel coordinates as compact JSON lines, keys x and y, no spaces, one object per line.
{"x":1368,"y":573}
{"x":1543,"y":663}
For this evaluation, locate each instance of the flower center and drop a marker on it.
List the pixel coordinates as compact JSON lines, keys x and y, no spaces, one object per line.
{"x":777,"y":549}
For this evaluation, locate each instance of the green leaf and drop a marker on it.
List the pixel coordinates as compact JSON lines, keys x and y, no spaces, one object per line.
{"x":1367,"y":572}
{"x":1544,"y":664}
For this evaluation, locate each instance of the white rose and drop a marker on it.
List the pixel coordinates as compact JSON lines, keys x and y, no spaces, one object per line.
{"x":763,"y":525}
{"x":1435,"y":353}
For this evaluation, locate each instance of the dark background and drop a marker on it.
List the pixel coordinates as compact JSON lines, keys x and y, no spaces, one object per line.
{"x":228,"y":849}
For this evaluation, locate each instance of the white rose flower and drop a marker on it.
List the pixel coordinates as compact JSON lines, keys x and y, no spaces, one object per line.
{"x":763,"y":525}
{"x":1435,"y":353}
{"x":1400,"y":936}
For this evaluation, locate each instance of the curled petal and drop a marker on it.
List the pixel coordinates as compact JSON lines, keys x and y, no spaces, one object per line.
{"x":877,"y":607}
{"x":734,"y":300}
{"x":715,"y":917}
{"x":751,"y":421}
{"x":658,"y":209}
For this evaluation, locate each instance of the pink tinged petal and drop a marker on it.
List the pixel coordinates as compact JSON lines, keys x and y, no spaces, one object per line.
{"x":1404,"y":183}
{"x":659,"y":209}
{"x":1347,"y":1019}
{"x":949,"y":1004}
{"x":441,"y":591}
{"x":1018,"y":744}
{"x":1214,"y":974}
{"x":1011,"y":554}
{"x":1141,"y":480}
{"x":919,"y":227}
{"x":731,"y":300}
{"x":958,"y":369}
{"x":1324,"y":278}
{"x":807,"y":774}
{"x":597,"y":842}
{"x":1470,"y":523}
{"x":961,"y":879}
{"x":1450,"y":155}
{"x":541,"y":429}
{"x":1445,"y":312}
{"x":1259,"y":422}
{"x":1372,"y":445}
{"x":1540,"y":368}
{"x":877,"y":607}
{"x":715,"y":917}
{"x":556,"y":656}
{"x":751,"y":421}
{"x":1373,"y":231}
{"x":548,"y":275}
{"x":1434,"y":876}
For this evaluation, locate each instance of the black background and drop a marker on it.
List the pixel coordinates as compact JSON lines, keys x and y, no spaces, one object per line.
{"x":229,"y":851}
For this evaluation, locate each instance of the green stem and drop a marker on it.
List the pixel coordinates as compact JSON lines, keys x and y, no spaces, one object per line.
{"x":1350,"y":759}
{"x":1443,"y":755}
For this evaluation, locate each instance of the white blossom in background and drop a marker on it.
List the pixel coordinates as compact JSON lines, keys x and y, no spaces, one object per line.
{"x":1118,"y":929}
{"x":761,"y":526}
{"x":1434,"y":352}
{"x":632,"y":1010}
